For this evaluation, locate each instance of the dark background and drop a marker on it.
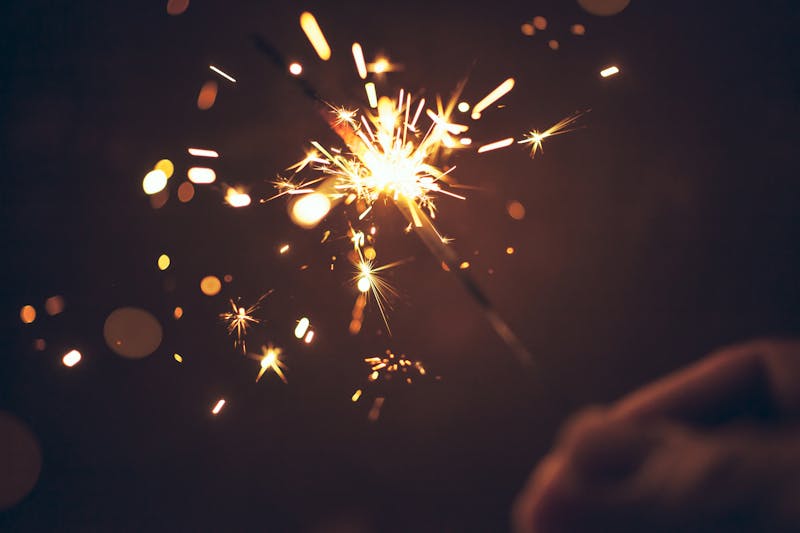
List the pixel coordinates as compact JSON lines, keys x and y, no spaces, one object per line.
{"x":664,"y":228}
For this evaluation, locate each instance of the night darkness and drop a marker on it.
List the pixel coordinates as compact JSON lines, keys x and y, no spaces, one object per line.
{"x":662,"y":228}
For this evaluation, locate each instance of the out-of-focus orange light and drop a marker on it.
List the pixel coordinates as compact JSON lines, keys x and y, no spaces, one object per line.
{"x":308,"y":210}
{"x":370,"y":253}
{"x":283,"y":249}
{"x":54,"y":305}
{"x":381,"y":65}
{"x":527,"y":29}
{"x":178,"y":313}
{"x":207,"y":95}
{"x":516,"y":210}
{"x":540,"y":23}
{"x":510,"y":250}
{"x":71,"y":358}
{"x":578,"y":29}
{"x":236,"y":198}
{"x":154,"y":181}
{"x":176,"y":7}
{"x":553,"y":44}
{"x":356,"y":395}
{"x":202,"y":175}
{"x":210,"y":285}
{"x":27,"y":314}
{"x":185,"y":191}
{"x":464,"y":265}
{"x":39,"y":345}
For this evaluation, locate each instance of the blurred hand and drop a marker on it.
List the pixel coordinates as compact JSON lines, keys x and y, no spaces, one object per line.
{"x":714,"y":447}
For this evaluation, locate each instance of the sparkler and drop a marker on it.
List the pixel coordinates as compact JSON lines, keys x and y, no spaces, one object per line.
{"x":239,"y":318}
{"x":535,"y":137}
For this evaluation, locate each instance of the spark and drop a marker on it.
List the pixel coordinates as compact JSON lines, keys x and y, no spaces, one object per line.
{"x":239,"y":318}
{"x":224,"y":75}
{"x":391,"y":366}
{"x":535,"y":137}
{"x":218,"y":407}
{"x":236,"y":198}
{"x":202,"y":152}
{"x":610,"y":71}
{"x":270,"y":360}
{"x":71,"y":358}
{"x":283,"y":249}
{"x":358,"y":56}
{"x":302,"y":327}
{"x":177,"y":357}
{"x":356,"y":395}
{"x":371,"y":94}
{"x":315,"y":36}
{"x":201,"y":175}
{"x":492,"y":97}
{"x":496,"y":145}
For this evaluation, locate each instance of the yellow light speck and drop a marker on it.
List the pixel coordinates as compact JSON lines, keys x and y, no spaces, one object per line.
{"x":163,"y":262}
{"x":177,"y":357}
{"x":356,"y":395}
{"x":177,"y":313}
{"x":165,"y":166}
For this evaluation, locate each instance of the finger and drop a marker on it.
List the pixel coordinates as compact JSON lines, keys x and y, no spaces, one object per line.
{"x":760,"y":375}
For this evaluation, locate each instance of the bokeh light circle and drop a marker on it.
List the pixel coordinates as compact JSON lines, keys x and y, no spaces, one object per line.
{"x":20,"y":460}
{"x":132,"y":333}
{"x":154,"y":182}
{"x":210,"y":285}
{"x":604,"y":8}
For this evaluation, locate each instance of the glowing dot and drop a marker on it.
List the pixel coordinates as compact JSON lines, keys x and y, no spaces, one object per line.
{"x":39,"y":345}
{"x":163,"y":262}
{"x":236,"y":198}
{"x":610,"y":71}
{"x":178,"y":313}
{"x":201,"y":175}
{"x":177,"y":357}
{"x":154,"y":181}
{"x":308,"y":210}
{"x":218,"y":407}
{"x":464,"y":265}
{"x":309,"y":337}
{"x":185,"y":191}
{"x":283,"y":249}
{"x":54,"y":305}
{"x":165,"y":166}
{"x":553,"y":44}
{"x":27,"y":314}
{"x":516,"y":210}
{"x":207,"y":95}
{"x":380,"y":66}
{"x":176,"y":7}
{"x":540,"y":23}
{"x":510,"y":250}
{"x":370,"y":253}
{"x":363,"y":284}
{"x":295,"y":69}
{"x":578,"y":29}
{"x":227,"y":278}
{"x":210,"y":285}
{"x":302,"y":327}
{"x":466,"y":141}
{"x":604,"y":8}
{"x":356,"y":395}
{"x":71,"y":358}
{"x":463,"y":107}
{"x":132,"y":333}
{"x":527,"y":29}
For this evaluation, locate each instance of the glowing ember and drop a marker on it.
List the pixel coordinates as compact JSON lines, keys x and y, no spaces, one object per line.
{"x":71,"y":358}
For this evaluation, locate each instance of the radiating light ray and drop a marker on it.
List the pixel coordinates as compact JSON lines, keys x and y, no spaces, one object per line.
{"x":315,"y":36}
{"x":491,"y":98}
{"x":358,"y":56}
{"x":535,"y":138}
{"x":202,"y":152}
{"x":496,"y":145}
{"x":223,"y":74}
{"x":270,"y":360}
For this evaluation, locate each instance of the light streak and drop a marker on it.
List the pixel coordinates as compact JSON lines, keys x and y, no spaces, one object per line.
{"x":315,"y":36}
{"x":302,"y":327}
{"x":178,"y":358}
{"x":371,"y":94}
{"x":309,"y":337}
{"x":224,"y":75}
{"x":236,"y":198}
{"x":535,"y":137}
{"x":492,"y":97}
{"x":201,"y":175}
{"x":356,"y":395}
{"x":202,"y":152}
{"x":496,"y":145}
{"x":283,"y":249}
{"x":218,"y":407}
{"x":358,"y":56}
{"x":610,"y":71}
{"x":71,"y":358}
